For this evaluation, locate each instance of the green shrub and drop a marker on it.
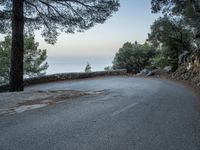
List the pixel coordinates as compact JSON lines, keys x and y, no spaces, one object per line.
{"x":134,"y":57}
{"x":108,"y":68}
{"x":160,"y":61}
{"x":88,"y":68}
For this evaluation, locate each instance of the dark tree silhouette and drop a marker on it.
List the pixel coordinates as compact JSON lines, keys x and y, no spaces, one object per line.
{"x":51,"y":17}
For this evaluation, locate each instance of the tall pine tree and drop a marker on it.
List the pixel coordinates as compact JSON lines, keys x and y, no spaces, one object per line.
{"x":51,"y":17}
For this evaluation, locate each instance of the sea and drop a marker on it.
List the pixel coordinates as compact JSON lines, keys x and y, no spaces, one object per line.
{"x":77,"y":63}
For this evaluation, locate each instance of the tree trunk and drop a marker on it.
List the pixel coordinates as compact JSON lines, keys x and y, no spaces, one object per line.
{"x":17,"y":50}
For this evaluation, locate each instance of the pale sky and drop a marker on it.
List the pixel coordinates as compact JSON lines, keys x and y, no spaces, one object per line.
{"x":132,"y":22}
{"x":99,"y":44}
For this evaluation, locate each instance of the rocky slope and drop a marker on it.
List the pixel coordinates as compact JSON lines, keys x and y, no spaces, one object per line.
{"x":190,"y":74}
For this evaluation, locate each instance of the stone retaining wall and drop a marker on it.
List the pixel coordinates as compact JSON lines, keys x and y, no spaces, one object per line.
{"x":65,"y":76}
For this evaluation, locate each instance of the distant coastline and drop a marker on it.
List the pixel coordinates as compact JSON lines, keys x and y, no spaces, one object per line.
{"x":77,"y":64}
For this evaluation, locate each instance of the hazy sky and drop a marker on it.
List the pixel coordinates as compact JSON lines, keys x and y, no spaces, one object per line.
{"x":132,"y":22}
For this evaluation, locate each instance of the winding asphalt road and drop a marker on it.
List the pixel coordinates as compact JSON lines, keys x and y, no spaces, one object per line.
{"x":132,"y":114}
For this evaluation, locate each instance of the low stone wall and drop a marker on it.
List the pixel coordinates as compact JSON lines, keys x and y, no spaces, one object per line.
{"x":66,"y":76}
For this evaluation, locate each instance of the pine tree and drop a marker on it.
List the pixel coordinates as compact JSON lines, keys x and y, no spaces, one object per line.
{"x":34,"y":59}
{"x":50,"y":16}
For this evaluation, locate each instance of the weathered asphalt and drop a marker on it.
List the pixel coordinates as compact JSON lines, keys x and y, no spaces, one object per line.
{"x":132,"y":114}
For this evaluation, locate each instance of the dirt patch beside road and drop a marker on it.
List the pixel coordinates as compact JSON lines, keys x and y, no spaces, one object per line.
{"x":11,"y":103}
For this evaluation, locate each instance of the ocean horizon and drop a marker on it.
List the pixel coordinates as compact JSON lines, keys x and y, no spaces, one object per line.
{"x":77,"y":64}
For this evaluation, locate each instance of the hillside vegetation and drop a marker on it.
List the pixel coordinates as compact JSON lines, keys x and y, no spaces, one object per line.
{"x":172,"y":47}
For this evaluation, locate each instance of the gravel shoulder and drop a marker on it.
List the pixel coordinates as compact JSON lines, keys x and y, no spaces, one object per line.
{"x":18,"y":102}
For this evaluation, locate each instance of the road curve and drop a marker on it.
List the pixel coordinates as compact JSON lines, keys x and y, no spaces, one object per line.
{"x":132,"y":114}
